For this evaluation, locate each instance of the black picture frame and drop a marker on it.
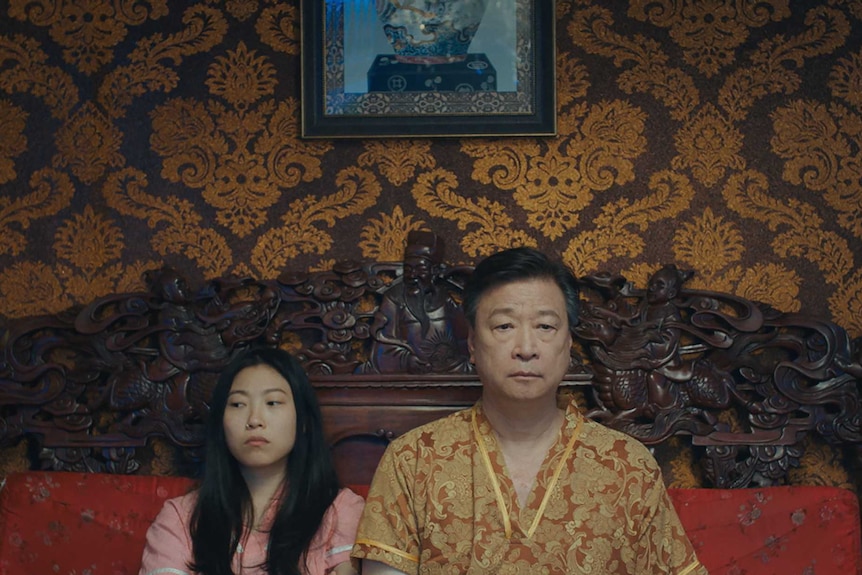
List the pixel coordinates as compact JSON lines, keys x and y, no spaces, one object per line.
{"x":343,"y":71}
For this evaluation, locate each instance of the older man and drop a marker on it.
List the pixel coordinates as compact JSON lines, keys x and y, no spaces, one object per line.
{"x":521,"y":482}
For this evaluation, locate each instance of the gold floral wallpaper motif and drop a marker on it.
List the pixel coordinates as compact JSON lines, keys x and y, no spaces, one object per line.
{"x":723,"y":136}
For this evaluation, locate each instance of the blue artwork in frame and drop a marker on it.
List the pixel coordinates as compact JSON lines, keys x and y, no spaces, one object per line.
{"x":415,"y":68}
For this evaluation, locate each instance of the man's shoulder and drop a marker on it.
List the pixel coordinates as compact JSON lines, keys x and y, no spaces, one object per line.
{"x":448,"y":428}
{"x":603,"y":438}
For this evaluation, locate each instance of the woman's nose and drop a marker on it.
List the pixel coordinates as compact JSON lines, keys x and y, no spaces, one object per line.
{"x":254,"y":420}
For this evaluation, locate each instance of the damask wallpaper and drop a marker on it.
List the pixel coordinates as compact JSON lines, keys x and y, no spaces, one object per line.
{"x":724,"y":136}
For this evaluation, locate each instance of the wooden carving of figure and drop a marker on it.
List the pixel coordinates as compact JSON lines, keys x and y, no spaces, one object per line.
{"x":186,"y":342}
{"x":641,"y":371}
{"x":174,"y":343}
{"x":419,"y":327}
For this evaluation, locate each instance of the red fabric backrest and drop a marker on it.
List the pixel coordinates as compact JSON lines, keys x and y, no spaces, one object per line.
{"x":57,"y":522}
{"x":52,"y":522}
{"x":773,"y":530}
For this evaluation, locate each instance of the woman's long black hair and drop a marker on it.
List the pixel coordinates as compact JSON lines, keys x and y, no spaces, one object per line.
{"x":224,"y":503}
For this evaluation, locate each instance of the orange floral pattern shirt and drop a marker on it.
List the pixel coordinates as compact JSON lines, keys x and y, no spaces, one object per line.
{"x":442,"y":502}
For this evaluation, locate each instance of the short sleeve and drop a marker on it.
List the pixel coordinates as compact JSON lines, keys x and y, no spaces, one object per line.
{"x":169,"y":547}
{"x":345,"y":513}
{"x":388,"y":531}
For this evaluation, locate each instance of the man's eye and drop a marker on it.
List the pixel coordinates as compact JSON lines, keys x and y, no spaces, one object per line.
{"x":547,"y":327}
{"x":503,"y":326}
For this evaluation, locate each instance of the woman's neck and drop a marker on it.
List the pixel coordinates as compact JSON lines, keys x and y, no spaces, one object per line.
{"x":263,"y":485}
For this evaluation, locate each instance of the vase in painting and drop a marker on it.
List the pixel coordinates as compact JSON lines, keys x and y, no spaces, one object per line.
{"x":430,"y":31}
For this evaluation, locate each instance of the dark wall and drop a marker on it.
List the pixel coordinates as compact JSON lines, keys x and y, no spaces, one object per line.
{"x":728,"y":142}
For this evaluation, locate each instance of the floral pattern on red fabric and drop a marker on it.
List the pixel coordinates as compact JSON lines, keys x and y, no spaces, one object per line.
{"x":773,"y":530}
{"x":64,"y":522}
{"x":53,"y":522}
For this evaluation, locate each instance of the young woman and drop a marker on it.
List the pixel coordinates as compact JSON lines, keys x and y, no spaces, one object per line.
{"x":269,"y":501}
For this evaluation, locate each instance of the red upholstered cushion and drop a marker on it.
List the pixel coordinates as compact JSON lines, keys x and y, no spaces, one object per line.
{"x":774,"y":530}
{"x":52,"y":522}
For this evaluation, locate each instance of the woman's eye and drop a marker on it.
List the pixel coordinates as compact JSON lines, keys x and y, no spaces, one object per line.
{"x":235,"y":404}
{"x":274,"y":402}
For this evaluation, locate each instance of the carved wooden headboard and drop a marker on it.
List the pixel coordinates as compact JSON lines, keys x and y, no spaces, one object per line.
{"x":121,"y":385}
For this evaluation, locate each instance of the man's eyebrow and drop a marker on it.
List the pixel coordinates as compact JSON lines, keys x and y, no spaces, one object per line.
{"x":502,"y":310}
{"x":270,"y":390}
{"x":549,"y":312}
{"x":511,"y":310}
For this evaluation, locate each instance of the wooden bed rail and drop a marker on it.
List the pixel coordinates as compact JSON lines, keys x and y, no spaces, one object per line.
{"x":121,"y":385}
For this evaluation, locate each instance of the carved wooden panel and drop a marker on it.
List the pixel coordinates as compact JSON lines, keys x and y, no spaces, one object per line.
{"x":101,"y":387}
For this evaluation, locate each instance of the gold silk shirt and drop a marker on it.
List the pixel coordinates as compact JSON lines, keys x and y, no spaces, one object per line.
{"x":442,"y":502}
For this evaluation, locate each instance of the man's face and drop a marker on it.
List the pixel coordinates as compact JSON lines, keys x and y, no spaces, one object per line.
{"x":417,"y":270}
{"x":520,"y":343}
{"x":661,"y":288}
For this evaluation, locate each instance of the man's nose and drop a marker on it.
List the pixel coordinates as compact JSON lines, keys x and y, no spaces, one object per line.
{"x":525,"y":345}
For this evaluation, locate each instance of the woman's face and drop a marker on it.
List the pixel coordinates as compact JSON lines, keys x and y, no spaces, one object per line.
{"x":260,"y":420}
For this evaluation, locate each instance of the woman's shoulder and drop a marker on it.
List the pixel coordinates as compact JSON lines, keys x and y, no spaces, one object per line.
{"x":342,"y":516}
{"x":347,"y":498}
{"x":182,"y":505}
{"x":346,"y":508}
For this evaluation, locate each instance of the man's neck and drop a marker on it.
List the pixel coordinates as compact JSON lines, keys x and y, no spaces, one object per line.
{"x":525,"y":433}
{"x":523,"y":423}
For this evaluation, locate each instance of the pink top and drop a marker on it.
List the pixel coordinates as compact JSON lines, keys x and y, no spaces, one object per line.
{"x":169,"y":545}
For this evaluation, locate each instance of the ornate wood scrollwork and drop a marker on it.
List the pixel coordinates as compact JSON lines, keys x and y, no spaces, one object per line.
{"x":98,"y":387}
{"x":748,"y":382}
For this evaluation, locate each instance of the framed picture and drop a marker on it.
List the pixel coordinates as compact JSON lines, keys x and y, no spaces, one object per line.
{"x":415,"y":68}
